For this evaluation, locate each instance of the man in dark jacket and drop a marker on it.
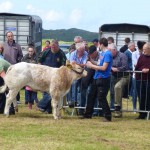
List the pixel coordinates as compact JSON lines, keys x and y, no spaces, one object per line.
{"x":125,"y":47}
{"x":12,"y":53}
{"x":93,"y":55}
{"x":56,"y":58}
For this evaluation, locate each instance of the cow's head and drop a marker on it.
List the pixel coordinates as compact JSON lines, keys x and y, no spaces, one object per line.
{"x":80,"y":72}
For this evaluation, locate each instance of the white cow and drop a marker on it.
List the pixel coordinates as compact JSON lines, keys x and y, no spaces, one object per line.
{"x":56,"y":81}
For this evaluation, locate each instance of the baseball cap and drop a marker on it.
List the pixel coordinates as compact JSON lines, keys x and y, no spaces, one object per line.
{"x":95,"y":40}
{"x":92,"y":49}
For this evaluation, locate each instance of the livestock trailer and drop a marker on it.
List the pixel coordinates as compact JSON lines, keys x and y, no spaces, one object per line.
{"x":120,"y":31}
{"x":27,"y":29}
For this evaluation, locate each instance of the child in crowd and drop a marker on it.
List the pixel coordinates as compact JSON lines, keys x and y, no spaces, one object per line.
{"x":30,"y":95}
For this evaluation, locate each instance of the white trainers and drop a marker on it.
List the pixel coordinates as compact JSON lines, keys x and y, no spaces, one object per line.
{"x":134,"y":111}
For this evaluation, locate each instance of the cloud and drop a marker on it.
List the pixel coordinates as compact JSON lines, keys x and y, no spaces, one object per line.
{"x":33,"y":10}
{"x":57,"y":19}
{"x":30,"y":8}
{"x":75,"y":16}
{"x":6,"y":6}
{"x":54,"y":16}
{"x":50,"y":16}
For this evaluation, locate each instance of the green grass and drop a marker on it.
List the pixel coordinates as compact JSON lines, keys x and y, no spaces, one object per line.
{"x":33,"y":130}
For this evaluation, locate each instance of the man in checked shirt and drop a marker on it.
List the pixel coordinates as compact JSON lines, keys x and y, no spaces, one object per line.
{"x":118,"y":79}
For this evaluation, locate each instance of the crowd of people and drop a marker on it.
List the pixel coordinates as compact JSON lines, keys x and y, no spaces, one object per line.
{"x":108,"y":69}
{"x":111,"y":68}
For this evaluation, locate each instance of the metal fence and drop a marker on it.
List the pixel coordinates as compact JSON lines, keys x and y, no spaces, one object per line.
{"x":138,"y":90}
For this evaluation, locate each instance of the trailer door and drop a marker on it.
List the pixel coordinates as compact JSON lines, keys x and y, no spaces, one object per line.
{"x":19,"y":25}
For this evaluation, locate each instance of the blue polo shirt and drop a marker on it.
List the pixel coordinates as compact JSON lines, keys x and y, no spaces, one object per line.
{"x":104,"y":57}
{"x":74,"y":57}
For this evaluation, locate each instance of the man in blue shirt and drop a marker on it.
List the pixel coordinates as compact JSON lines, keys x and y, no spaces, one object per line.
{"x":128,"y":52}
{"x":79,"y":56}
{"x":101,"y":82}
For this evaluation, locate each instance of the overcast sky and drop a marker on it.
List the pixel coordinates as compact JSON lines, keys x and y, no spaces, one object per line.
{"x":82,"y":14}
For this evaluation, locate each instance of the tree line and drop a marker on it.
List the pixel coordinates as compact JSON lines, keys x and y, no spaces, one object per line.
{"x":68,"y":35}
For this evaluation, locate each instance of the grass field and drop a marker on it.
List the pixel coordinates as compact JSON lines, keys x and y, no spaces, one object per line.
{"x":33,"y":130}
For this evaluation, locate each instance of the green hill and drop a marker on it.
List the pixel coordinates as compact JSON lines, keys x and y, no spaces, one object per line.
{"x":68,"y":35}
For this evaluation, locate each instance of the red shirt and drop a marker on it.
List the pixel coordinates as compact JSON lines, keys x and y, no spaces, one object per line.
{"x":143,"y":62}
{"x":46,"y":47}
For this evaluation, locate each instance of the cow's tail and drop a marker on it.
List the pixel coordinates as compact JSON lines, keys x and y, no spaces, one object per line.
{"x":3,"y":88}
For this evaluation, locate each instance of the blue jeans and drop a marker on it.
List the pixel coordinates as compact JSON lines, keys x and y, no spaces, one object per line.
{"x":45,"y":102}
{"x":82,"y":98}
{"x":30,"y":96}
{"x":75,"y":90}
{"x":69,"y":94}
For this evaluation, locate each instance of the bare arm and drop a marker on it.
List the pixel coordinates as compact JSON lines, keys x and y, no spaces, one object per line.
{"x":145,"y":70}
{"x":2,"y":74}
{"x":95,"y":67}
{"x":93,"y":62}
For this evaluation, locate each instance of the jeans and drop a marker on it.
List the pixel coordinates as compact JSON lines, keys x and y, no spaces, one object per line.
{"x":75,"y":90}
{"x":83,"y":97}
{"x":45,"y":102}
{"x":143,"y":91}
{"x":30,"y":96}
{"x":69,"y":94}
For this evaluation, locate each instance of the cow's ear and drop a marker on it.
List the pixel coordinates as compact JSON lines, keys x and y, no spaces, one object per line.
{"x":69,"y":66}
{"x":67,"y":62}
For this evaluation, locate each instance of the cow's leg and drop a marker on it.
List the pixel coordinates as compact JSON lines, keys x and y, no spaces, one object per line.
{"x":10,"y":97}
{"x":15,"y":104}
{"x":59,"y":107}
{"x":55,"y":105}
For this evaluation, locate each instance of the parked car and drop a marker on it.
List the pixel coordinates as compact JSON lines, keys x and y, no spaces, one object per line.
{"x":64,"y":47}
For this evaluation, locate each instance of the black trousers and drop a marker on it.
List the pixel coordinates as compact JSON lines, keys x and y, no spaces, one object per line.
{"x":101,"y":87}
{"x":3,"y":101}
{"x":143,"y":91}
